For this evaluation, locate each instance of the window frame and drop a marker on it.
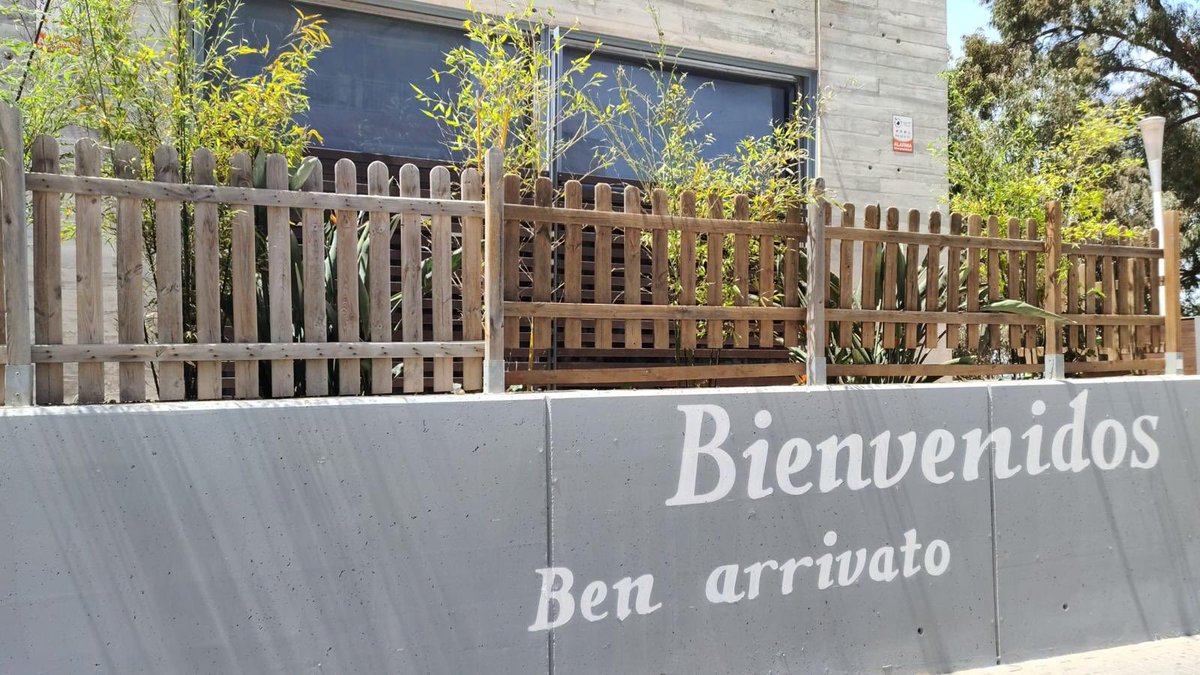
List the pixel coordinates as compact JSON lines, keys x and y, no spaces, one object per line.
{"x":800,"y":86}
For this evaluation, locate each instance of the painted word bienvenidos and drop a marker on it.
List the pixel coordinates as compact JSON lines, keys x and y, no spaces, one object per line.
{"x":1073,"y":447}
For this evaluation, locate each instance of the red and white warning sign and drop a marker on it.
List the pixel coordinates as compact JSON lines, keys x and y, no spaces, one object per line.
{"x":902,"y":134}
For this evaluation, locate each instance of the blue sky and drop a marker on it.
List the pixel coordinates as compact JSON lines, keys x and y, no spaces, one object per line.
{"x":964,"y":17}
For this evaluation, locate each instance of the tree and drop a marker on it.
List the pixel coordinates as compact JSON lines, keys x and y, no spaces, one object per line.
{"x":1148,"y":50}
{"x":1021,"y":135}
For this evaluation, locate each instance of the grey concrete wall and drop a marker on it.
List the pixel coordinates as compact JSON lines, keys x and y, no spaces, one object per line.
{"x":418,"y":535}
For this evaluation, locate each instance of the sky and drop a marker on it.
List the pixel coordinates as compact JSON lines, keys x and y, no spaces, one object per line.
{"x":964,"y":17}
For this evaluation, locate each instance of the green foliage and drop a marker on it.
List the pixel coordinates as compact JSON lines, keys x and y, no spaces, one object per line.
{"x":1142,"y":50}
{"x":659,"y":133}
{"x":501,"y":94}
{"x":1000,"y":162}
{"x":155,"y":74}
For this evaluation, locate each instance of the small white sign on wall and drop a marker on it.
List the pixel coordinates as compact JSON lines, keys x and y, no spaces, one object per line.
{"x":902,"y":134}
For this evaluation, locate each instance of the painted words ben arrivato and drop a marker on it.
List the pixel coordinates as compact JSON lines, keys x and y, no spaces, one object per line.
{"x":797,"y":467}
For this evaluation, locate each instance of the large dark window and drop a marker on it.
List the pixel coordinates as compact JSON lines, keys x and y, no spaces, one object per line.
{"x":733,"y":107}
{"x":359,"y":91}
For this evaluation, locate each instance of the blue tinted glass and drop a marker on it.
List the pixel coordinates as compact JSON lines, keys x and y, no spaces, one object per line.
{"x":734,"y":108}
{"x":359,"y":91}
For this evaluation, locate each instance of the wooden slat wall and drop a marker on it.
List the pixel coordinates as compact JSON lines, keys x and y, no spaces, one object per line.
{"x":628,"y":286}
{"x":443,"y":304}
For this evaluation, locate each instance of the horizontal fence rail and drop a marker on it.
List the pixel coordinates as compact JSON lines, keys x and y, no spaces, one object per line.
{"x":242,"y":278}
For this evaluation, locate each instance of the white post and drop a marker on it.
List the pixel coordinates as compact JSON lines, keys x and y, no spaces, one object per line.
{"x":1152,"y":139}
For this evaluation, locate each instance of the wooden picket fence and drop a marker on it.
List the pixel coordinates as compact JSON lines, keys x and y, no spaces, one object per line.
{"x":474,"y":286}
{"x":611,"y":306}
{"x":940,"y":282}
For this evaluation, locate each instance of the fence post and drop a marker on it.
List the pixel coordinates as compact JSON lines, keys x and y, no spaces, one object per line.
{"x":18,"y":369}
{"x":1173,"y":358}
{"x":1055,"y":366}
{"x":818,"y":280}
{"x":493,"y":273}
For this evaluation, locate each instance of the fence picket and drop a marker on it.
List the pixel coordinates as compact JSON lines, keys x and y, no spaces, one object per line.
{"x":954,"y":281}
{"x":714,"y":243}
{"x":1142,"y":333}
{"x":791,"y":275}
{"x":845,"y":337}
{"x":1156,"y":332}
{"x":347,"y":279}
{"x":632,"y":272}
{"x":379,"y":275}
{"x":1112,"y":339}
{"x":512,"y":260}
{"x":316,"y":318}
{"x":472,"y":279}
{"x":1012,"y":288}
{"x":442,"y":261}
{"x":687,"y":270}
{"x":573,"y":267}
{"x":1125,"y":295}
{"x":47,"y":271}
{"x":543,"y":249}
{"x":168,"y":272}
{"x":131,"y":320}
{"x":912,"y":298}
{"x":659,"y":288}
{"x":243,"y":278}
{"x":741,"y":270}
{"x":603,"y":273}
{"x":1072,"y":331}
{"x":279,"y":275}
{"x":993,"y":279}
{"x":207,"y":280}
{"x":766,"y":288}
{"x":891,"y":291}
{"x":89,"y":272}
{"x":974,"y":228}
{"x":412,"y":300}
{"x":870,"y":266}
{"x":1089,"y":297}
{"x":933,"y":260}
{"x":1031,"y":288}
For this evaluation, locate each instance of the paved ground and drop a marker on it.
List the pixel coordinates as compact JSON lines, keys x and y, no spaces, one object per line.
{"x":1177,"y":656}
